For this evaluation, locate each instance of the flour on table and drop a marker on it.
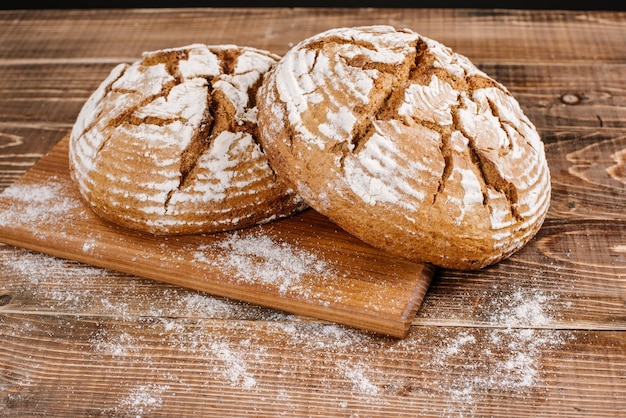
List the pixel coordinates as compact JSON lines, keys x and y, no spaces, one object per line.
{"x":236,"y":370}
{"x":505,"y":358}
{"x":116,"y":344}
{"x":358,"y":376}
{"x":143,"y":399}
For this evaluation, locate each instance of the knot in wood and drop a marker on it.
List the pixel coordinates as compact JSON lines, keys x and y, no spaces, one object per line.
{"x":570,"y":99}
{"x":5,"y":300}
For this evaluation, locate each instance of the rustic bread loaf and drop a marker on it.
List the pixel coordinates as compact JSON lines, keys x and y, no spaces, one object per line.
{"x":168,"y":144}
{"x":405,"y":144}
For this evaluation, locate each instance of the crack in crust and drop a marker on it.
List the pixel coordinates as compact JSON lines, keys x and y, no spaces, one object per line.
{"x":200,"y":142}
{"x":421,"y":72}
{"x":219,"y":114}
{"x":170,"y":59}
{"x":385,"y":109}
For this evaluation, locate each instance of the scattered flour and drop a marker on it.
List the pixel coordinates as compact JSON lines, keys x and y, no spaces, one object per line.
{"x":40,"y":271}
{"x":37,"y":267}
{"x":39,"y":204}
{"x":143,"y":399}
{"x":358,"y":375}
{"x":236,"y":368}
{"x":259,"y":258}
{"x":70,"y":285}
{"x":505,"y":357}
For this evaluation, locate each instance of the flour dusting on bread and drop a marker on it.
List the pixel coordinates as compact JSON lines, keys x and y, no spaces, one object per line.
{"x":168,"y":144}
{"x":406,"y":144}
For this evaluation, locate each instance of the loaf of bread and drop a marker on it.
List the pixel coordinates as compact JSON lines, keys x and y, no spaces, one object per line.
{"x":168,"y":144}
{"x":405,"y":144}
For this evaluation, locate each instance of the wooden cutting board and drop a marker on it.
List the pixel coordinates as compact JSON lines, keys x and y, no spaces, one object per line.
{"x":304,"y":264}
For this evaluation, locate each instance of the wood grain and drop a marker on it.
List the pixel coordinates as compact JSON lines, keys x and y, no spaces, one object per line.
{"x":485,"y":35}
{"x":147,"y":367}
{"x":539,"y":334}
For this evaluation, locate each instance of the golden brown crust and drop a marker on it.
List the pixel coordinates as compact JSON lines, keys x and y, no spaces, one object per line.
{"x":168,"y":144}
{"x":405,"y":144}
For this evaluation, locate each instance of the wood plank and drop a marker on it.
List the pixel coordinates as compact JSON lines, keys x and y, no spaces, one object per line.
{"x":303,"y":264}
{"x":149,"y":367}
{"x":511,"y":35}
{"x":588,"y":168}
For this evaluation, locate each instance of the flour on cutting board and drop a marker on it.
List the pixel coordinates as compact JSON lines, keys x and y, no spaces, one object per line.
{"x":252,"y":258}
{"x":257,"y":258}
{"x":39,"y":204}
{"x":70,"y":285}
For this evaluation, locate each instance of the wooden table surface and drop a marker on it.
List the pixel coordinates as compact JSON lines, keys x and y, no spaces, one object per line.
{"x":539,"y":334}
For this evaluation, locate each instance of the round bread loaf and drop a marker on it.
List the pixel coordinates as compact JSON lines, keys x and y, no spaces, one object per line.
{"x":405,"y":144}
{"x":168,"y":144}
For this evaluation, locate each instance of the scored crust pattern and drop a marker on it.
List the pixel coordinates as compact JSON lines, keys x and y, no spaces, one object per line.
{"x":168,"y":144}
{"x":407,"y":145}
